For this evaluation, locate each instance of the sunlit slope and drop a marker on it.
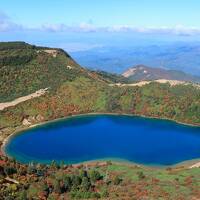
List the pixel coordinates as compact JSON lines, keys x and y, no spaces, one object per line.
{"x":72,"y":89}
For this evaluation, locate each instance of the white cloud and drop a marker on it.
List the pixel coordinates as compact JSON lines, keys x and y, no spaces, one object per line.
{"x":53,"y":27}
{"x":6,"y":24}
{"x":177,"y":30}
{"x":85,"y":27}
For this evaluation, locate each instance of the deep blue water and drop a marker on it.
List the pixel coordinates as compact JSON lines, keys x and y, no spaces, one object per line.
{"x":84,"y":138}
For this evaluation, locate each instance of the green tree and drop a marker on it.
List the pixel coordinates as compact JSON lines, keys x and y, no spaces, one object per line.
{"x":9,"y":170}
{"x":83,"y":173}
{"x":76,"y":182}
{"x":94,"y":175}
{"x":85,"y":185}
{"x":67,"y":183}
{"x":56,"y":186}
{"x":141,"y":175}
{"x":22,"y":195}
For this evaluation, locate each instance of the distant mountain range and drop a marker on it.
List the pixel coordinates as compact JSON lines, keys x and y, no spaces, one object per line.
{"x":181,"y":56}
{"x":142,"y":72}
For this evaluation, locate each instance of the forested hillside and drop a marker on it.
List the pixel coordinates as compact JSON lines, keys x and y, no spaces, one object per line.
{"x":104,"y":180}
{"x":25,"y":68}
{"x":73,"y":90}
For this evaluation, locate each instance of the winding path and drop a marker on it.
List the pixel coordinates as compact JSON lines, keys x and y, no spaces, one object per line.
{"x":22,"y":99}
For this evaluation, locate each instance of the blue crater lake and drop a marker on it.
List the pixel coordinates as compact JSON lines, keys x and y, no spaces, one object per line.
{"x":93,"y":137}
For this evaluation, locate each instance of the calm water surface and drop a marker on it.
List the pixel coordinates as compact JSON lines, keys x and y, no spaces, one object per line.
{"x":85,"y":138}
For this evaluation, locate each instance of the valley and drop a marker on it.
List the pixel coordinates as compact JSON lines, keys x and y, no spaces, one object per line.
{"x":73,"y":90}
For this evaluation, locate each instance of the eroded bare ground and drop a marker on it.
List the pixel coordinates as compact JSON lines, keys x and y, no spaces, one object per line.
{"x":22,"y":99}
{"x":171,"y":82}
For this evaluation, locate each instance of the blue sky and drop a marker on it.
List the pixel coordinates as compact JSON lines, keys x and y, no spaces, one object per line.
{"x":92,"y":22}
{"x":138,"y":13}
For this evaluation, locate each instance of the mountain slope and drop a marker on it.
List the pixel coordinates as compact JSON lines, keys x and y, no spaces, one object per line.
{"x":75,"y":90}
{"x":142,"y":72}
{"x":25,"y":69}
{"x":111,"y":77}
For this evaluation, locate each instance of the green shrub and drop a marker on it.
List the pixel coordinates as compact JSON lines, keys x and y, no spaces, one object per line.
{"x":117,"y":180}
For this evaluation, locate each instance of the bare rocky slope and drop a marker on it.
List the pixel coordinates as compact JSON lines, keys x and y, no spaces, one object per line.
{"x":143,"y":73}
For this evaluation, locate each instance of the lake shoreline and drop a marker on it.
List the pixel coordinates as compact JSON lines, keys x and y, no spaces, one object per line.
{"x":189,"y":163}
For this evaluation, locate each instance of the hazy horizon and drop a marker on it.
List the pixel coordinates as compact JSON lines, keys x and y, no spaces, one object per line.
{"x":115,"y":27}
